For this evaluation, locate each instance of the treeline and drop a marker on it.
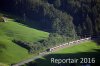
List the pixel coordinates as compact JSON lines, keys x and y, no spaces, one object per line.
{"x":54,"y":39}
{"x":85,"y":13}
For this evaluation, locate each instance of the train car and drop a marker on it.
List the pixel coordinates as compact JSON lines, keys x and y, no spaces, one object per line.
{"x":88,"y":38}
{"x":49,"y":49}
{"x":82,"y":39}
{"x":70,"y":42}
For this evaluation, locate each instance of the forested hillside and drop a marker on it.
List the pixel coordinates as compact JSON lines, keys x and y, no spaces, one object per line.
{"x":58,"y":16}
{"x":48,"y":18}
{"x":85,"y":13}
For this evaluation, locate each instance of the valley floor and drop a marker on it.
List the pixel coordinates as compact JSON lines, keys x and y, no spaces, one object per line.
{"x":87,"y":50}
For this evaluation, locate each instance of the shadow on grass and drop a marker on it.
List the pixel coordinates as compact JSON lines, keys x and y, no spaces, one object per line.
{"x":47,"y":60}
{"x":96,"y":39}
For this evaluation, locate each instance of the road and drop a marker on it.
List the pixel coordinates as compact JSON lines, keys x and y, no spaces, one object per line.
{"x":27,"y":61}
{"x":43,"y":54}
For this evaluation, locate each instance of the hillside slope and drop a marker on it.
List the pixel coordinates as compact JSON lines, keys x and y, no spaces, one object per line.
{"x":10,"y":52}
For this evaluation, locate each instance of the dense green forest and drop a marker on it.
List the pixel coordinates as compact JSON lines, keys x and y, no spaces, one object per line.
{"x":58,"y":16}
{"x":64,"y":20}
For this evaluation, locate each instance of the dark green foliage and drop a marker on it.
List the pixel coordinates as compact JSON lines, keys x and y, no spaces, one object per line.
{"x":84,"y":13}
{"x":97,"y":27}
{"x":89,"y":26}
{"x":57,"y":3}
{"x":44,"y":14}
{"x":79,"y":30}
{"x":36,"y":47}
{"x":31,"y":47}
{"x":23,"y":44}
{"x":57,"y":15}
{"x":55,"y":39}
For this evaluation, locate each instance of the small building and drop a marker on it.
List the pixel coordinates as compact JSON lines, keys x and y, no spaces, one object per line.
{"x":3,"y":19}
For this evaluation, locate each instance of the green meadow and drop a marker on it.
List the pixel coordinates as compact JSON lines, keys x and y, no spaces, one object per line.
{"x":88,"y":49}
{"x":88,"y":46}
{"x":10,"y":30}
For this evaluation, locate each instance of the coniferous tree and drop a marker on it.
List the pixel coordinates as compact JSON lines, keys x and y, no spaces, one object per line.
{"x":57,"y":3}
{"x":89,"y":26}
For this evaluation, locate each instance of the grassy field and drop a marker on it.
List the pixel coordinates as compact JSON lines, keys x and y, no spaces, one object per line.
{"x":1,"y":64}
{"x":88,"y":46}
{"x":10,"y":30}
{"x":16,"y":30}
{"x":88,"y":49}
